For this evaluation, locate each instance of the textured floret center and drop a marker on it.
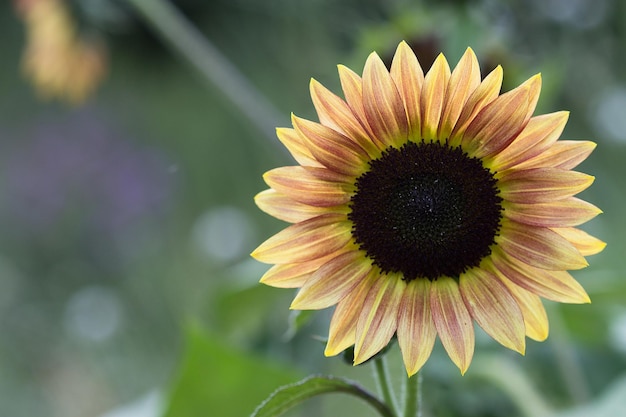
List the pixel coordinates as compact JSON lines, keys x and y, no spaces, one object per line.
{"x":426,"y":210}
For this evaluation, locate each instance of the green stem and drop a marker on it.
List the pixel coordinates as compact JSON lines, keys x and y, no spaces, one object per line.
{"x":192,"y":45}
{"x":413,"y":399}
{"x":384,"y":386}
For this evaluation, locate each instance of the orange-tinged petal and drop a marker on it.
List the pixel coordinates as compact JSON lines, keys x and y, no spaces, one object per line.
{"x":416,"y":329}
{"x":463,"y":81}
{"x":342,"y":331}
{"x":285,"y":208}
{"x":535,"y":317}
{"x":305,"y":241}
{"x":539,"y":134}
{"x":500,"y":121}
{"x":494,"y":308}
{"x":433,"y":97}
{"x":539,"y":247}
{"x":333,"y":281}
{"x":408,"y":76}
{"x":534,"y":84}
{"x":585,"y":243}
{"x":384,"y":108}
{"x":332,"y":149}
{"x":314,"y":186}
{"x":484,"y":94}
{"x":541,"y":185}
{"x":554,"y":285}
{"x":452,"y":321}
{"x":352,"y":86}
{"x":378,"y":320}
{"x":570,"y":211}
{"x":337,"y":114}
{"x":564,"y":154}
{"x":293,"y":275}
{"x":296,"y":146}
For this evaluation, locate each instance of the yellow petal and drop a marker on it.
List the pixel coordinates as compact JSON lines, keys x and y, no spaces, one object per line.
{"x":484,"y":94}
{"x":284,"y":208}
{"x":416,"y":329}
{"x":332,"y":149}
{"x":383,"y":105}
{"x":408,"y":75}
{"x":296,"y":146}
{"x":453,"y":321}
{"x":337,"y":114}
{"x":554,"y":285}
{"x":535,"y":317}
{"x":541,"y":185}
{"x":564,"y":154}
{"x":494,"y":308}
{"x":585,"y":243}
{"x":293,"y":275}
{"x":378,"y":320}
{"x":500,"y":121}
{"x":570,"y":211}
{"x":463,"y":81}
{"x":342,"y":331}
{"x":333,"y":281}
{"x":352,"y":86}
{"x":539,"y":247}
{"x":305,"y":241}
{"x":314,"y":186}
{"x":433,"y":96}
{"x":539,"y":134}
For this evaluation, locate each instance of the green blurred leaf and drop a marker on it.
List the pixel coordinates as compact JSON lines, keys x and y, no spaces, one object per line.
{"x":289,"y":396}
{"x":214,"y":376}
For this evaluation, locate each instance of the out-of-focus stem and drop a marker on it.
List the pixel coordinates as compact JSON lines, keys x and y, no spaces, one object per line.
{"x":413,"y":396}
{"x":384,"y":386}
{"x":191,"y":44}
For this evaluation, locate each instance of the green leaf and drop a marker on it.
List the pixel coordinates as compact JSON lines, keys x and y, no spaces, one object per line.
{"x":291,"y":395}
{"x":215,"y":376}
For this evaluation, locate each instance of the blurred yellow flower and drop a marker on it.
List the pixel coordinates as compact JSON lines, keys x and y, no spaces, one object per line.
{"x":423,"y":203}
{"x":57,"y":61}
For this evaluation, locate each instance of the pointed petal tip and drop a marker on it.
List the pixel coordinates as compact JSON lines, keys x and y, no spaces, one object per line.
{"x":328,"y":353}
{"x":359,"y":358}
{"x":255,"y":254}
{"x":463,"y":368}
{"x":470,"y":53}
{"x":297,"y":303}
{"x":313,"y":84}
{"x":440,"y":62}
{"x":371,"y":58}
{"x":404,"y":48}
{"x":341,"y":68}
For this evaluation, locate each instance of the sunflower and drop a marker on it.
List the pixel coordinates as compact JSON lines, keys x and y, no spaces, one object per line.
{"x":424,"y":203}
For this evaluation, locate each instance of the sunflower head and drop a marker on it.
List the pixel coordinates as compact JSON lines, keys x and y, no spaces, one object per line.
{"x":422,"y":203}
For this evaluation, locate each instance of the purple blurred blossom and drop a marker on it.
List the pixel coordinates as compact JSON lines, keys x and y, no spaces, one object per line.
{"x":84,"y":168}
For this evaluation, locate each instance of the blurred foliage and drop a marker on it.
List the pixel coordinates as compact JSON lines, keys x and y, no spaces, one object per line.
{"x":214,"y":375}
{"x":128,"y":217}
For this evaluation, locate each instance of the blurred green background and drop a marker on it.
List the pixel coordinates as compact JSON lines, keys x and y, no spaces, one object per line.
{"x":126,"y":288}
